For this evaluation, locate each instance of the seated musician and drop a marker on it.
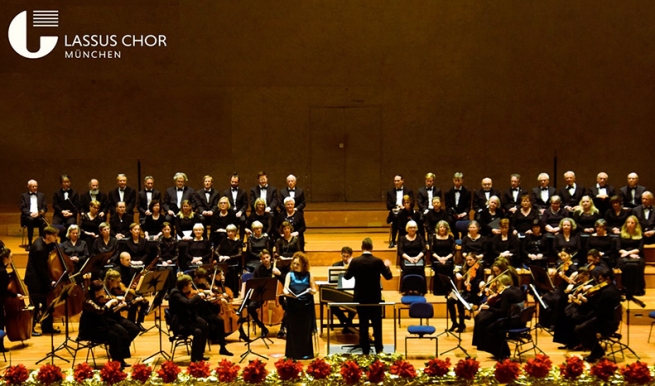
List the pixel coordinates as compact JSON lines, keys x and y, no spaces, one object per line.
{"x":601,"y":301}
{"x":120,"y":222}
{"x":168,"y":253}
{"x":118,"y":287}
{"x":264,"y":270}
{"x":99,"y":323}
{"x":74,"y":247}
{"x":137,"y":246}
{"x":198,"y":251}
{"x":5,"y":292}
{"x":229,"y":251}
{"x":565,"y":274}
{"x":594,"y":260}
{"x":496,"y":316}
{"x":184,"y":319}
{"x":411,"y":250}
{"x":257,"y":242}
{"x":472,"y":275}
{"x":211,"y":307}
{"x":345,"y":316}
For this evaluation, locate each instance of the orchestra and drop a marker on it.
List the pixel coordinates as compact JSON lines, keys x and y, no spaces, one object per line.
{"x":208,"y":240}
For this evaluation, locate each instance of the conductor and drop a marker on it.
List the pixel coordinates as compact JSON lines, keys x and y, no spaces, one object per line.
{"x":366,"y":269}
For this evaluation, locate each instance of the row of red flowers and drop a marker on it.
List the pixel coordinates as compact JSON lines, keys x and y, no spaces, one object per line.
{"x":346,"y":370}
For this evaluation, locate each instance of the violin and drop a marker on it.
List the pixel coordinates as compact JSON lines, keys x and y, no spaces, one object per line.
{"x":227,"y":311}
{"x":491,"y":283}
{"x":121,"y":303}
{"x":471,"y":273}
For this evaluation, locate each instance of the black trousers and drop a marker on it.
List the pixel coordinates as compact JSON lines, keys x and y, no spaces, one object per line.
{"x":31,"y":223}
{"x":199,"y":330}
{"x":40,"y":306}
{"x":141,"y":308}
{"x":371,"y":315}
{"x":118,"y":339}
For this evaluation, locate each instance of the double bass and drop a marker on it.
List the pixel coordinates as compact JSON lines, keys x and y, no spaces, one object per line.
{"x":18,"y":312}
{"x":272,"y":310}
{"x":58,"y":264}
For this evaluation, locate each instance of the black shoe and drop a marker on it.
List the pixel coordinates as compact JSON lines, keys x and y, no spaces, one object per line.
{"x":223,"y":351}
{"x":141,"y":328}
{"x":205,"y":358}
{"x":565,"y":347}
{"x":346,"y":330}
{"x":27,"y":248}
{"x":282,"y":334}
{"x":453,"y":327}
{"x":392,"y":245}
{"x":36,"y":333}
{"x":460,"y":328}
{"x":264,"y":332}
{"x":124,"y":365}
{"x":244,"y":337}
{"x":51,"y":331}
{"x":592,"y":357}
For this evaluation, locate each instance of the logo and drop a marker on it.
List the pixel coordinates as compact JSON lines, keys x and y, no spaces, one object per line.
{"x":18,"y":33}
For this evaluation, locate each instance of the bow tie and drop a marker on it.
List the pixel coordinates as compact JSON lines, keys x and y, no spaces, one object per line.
{"x":32,"y":194}
{"x":208,"y":190}
{"x":122,"y":190}
{"x":66,"y":191}
{"x":262,"y":188}
{"x":399,"y":190}
{"x":292,"y":190}
{"x":487,"y":191}
{"x":430,"y":189}
{"x":632,"y":188}
{"x":148,"y":191}
{"x":237,"y":189}
{"x":648,"y":208}
{"x":544,"y":189}
{"x":180,"y":189}
{"x":458,"y":190}
{"x":515,"y":189}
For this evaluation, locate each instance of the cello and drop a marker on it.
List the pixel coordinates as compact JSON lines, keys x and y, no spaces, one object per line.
{"x":18,"y":312}
{"x":58,"y":265}
{"x":227,"y":311}
{"x":272,"y":310}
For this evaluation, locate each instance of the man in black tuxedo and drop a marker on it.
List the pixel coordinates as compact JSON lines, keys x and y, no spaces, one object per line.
{"x":37,"y":277}
{"x":540,"y":196}
{"x":265,"y":192}
{"x":238,"y":202}
{"x":644,"y":213}
{"x":32,"y":209}
{"x":122,"y":193}
{"x":176,"y":194}
{"x":294,"y":192}
{"x":572,"y":193}
{"x":632,"y":192}
{"x":458,"y":202}
{"x":94,"y":194}
{"x":205,"y":200}
{"x":511,"y":199}
{"x":366,"y":269}
{"x":481,"y":196}
{"x":395,"y":204}
{"x":601,"y":193}
{"x":146,"y":195}
{"x":426,"y":194}
{"x":65,"y":203}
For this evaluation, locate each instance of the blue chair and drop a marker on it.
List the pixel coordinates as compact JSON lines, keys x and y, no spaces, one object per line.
{"x":246,"y":276}
{"x":2,"y":337}
{"x":422,"y":311}
{"x":176,"y":340}
{"x":522,"y":336}
{"x":652,"y":316}
{"x":411,"y":282}
{"x":462,"y":227}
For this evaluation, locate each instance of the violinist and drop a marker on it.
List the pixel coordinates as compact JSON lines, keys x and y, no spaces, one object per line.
{"x":264,"y":270}
{"x":74,"y":247}
{"x":594,"y":260}
{"x":229,"y":251}
{"x":198,"y":251}
{"x":472,"y":276}
{"x":37,"y":277}
{"x":184,"y":319}
{"x":5,"y":292}
{"x":566,"y":274}
{"x":209,"y":309}
{"x":117,"y":287}
{"x":601,"y":305}
{"x":99,"y":324}
{"x":492,"y":320}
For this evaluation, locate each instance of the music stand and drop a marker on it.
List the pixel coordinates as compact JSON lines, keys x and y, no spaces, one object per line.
{"x":155,"y":282}
{"x":543,"y":282}
{"x":95,"y":264}
{"x":467,"y":306}
{"x":63,"y":295}
{"x":445,"y":283}
{"x":260,"y":290}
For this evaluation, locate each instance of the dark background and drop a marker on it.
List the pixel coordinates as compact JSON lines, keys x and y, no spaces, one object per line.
{"x":487,"y":88}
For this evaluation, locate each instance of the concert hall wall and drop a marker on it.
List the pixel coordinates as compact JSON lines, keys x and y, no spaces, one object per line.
{"x":487,"y":88}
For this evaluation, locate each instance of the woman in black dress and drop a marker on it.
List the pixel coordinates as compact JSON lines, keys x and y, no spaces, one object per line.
{"x":407,"y":214}
{"x":506,"y":245}
{"x":120,"y":223}
{"x":442,"y":247}
{"x":184,"y":222}
{"x":168,"y":253}
{"x":474,"y":242}
{"x":199,"y":250}
{"x":606,"y":245}
{"x":106,"y":242}
{"x":488,"y":215}
{"x":553,"y":215}
{"x":585,"y":217}
{"x":411,"y":249}
{"x":470,"y":289}
{"x":434,"y":216}
{"x":89,"y":223}
{"x":137,"y":246}
{"x":229,"y":251}
{"x":535,"y":247}
{"x":295,"y":218}
{"x":221,"y":220}
{"x":154,"y":221}
{"x":260,"y":214}
{"x":301,"y":319}
{"x":257,"y":242}
{"x":74,"y":247}
{"x":616,"y":215}
{"x":287,"y":245}
{"x":631,"y":260}
{"x":567,"y":239}
{"x":522,"y":219}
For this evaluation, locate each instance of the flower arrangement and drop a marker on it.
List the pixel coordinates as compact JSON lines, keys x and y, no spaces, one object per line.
{"x":538,"y":367}
{"x":351,"y":372}
{"x":227,"y":371}
{"x":403,"y":369}
{"x":437,"y":368}
{"x":604,"y":370}
{"x":467,"y":368}
{"x":199,"y":369}
{"x":572,"y":368}
{"x":319,"y":369}
{"x":637,"y":373}
{"x":168,"y":371}
{"x":507,"y":371}
{"x":111,"y":373}
{"x":288,"y":369}
{"x":83,"y":372}
{"x":16,"y":375}
{"x":49,"y":374}
{"x":375,"y":372}
{"x":141,"y":372}
{"x":255,"y":372}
